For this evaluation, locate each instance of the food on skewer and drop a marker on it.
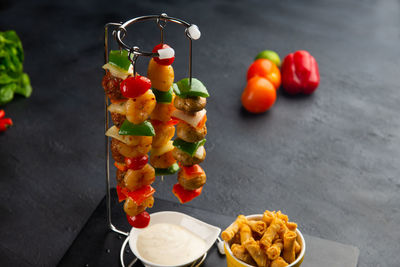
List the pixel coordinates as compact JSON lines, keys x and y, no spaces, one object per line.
{"x":161,"y":74}
{"x":132,"y":103}
{"x":189,"y":149}
{"x":134,"y":100}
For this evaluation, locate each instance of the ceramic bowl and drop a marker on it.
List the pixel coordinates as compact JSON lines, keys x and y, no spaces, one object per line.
{"x":207,"y":232}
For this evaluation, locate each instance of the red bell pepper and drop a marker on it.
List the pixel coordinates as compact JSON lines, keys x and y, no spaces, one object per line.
{"x":185,"y":195}
{"x":194,"y":170}
{"x":120,"y":166}
{"x":4,"y":122}
{"x":138,"y":196}
{"x":300,"y":73}
{"x":121,"y":196}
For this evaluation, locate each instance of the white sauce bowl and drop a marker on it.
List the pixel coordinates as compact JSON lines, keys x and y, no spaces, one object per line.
{"x":207,"y":232}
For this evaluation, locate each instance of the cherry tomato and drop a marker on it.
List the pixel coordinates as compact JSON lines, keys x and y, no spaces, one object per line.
{"x":265,"y":68}
{"x":166,"y":61}
{"x":259,"y":95}
{"x":136,"y":163}
{"x":139,"y":221}
{"x":135,"y":86}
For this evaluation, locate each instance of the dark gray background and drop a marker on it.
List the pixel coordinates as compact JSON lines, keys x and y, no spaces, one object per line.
{"x":330,"y":160}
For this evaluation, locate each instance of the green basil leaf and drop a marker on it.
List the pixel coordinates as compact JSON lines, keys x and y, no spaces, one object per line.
{"x":24,"y":87}
{"x":184,"y":89}
{"x":187,"y":147}
{"x":168,"y":171}
{"x":7,"y":93}
{"x":163,"y":97}
{"x":12,"y":78}
{"x":143,"y":129}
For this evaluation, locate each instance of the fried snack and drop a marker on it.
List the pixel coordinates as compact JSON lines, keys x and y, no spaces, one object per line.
{"x":289,"y":239}
{"x":258,"y":227}
{"x":230,"y":232}
{"x":241,"y":253}
{"x":285,"y":228}
{"x":267,"y":242}
{"x":274,"y":251}
{"x":279,"y":262}
{"x":292,"y":226}
{"x":235,"y":239}
{"x":268,"y":216}
{"x":297,"y":247}
{"x":272,"y":230}
{"x":245,"y":233}
{"x":256,"y":252}
{"x":282,"y":216}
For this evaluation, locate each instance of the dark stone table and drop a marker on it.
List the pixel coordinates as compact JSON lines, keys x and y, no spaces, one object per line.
{"x":331,"y":161}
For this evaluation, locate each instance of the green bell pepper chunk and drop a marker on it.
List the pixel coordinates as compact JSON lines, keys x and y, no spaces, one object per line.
{"x":184,"y":90}
{"x":168,"y":171}
{"x":143,"y":129}
{"x":163,"y":97}
{"x":120,"y":59}
{"x":187,"y":147}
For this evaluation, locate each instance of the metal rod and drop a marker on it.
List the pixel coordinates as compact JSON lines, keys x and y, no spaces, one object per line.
{"x":190,"y":61}
{"x":121,"y":254}
{"x":107,"y":142}
{"x":161,"y":24}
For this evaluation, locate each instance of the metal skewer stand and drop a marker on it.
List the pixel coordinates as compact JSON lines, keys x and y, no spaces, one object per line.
{"x":119,"y":33}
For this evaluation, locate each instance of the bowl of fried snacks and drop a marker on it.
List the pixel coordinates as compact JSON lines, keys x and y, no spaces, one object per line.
{"x":263,"y":240}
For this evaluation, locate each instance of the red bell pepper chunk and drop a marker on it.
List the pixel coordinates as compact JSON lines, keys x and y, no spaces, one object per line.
{"x":185,"y":195}
{"x":5,"y":123}
{"x":300,"y":73}
{"x":121,"y":196}
{"x":139,"y":195}
{"x":120,"y":166}
{"x":2,"y":113}
{"x":141,"y":220}
{"x":192,"y":170}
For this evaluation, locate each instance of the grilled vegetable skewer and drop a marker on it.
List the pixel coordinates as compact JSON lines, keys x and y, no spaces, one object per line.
{"x":189,"y":148}
{"x":132,"y":103}
{"x":161,"y":74}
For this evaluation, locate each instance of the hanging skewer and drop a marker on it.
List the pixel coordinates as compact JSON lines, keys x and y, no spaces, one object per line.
{"x":119,"y":33}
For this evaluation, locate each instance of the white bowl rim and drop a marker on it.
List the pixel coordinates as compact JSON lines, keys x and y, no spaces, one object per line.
{"x":146,"y":262}
{"x":259,"y":216}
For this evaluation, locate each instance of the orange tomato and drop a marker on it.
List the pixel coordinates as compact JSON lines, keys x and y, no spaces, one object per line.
{"x":267,"y":69}
{"x":259,"y":95}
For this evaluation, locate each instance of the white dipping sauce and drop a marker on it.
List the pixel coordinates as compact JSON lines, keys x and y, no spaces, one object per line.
{"x":168,"y":244}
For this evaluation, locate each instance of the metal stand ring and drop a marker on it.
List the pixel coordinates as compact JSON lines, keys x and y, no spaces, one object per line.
{"x":158,"y":18}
